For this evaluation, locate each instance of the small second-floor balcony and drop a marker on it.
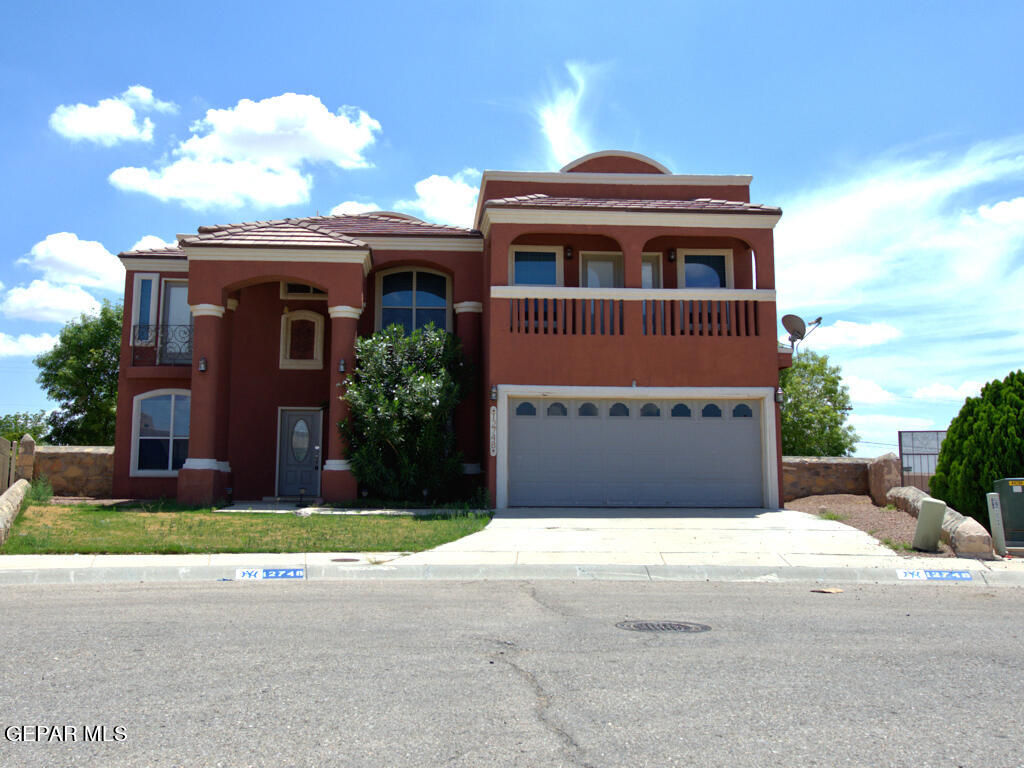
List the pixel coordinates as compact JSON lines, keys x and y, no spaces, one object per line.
{"x":161,"y":344}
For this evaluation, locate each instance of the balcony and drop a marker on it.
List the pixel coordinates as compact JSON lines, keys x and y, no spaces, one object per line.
{"x":659,"y":337}
{"x":161,"y":345}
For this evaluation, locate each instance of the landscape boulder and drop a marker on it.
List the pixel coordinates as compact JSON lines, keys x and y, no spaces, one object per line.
{"x":965,"y":535}
{"x":884,"y":474}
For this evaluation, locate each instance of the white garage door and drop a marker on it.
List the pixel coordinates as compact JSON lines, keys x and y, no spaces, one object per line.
{"x":648,"y":453}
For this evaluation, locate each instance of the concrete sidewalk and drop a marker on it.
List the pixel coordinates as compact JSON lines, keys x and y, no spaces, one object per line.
{"x":702,"y":545}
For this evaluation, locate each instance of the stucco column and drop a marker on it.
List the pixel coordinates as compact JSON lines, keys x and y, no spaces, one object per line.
{"x":200,"y":480}
{"x":224,"y":393}
{"x":467,"y":419}
{"x":632,"y":265}
{"x":338,"y":483}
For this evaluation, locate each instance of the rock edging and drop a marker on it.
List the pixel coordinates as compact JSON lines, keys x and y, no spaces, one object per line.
{"x":965,"y":535}
{"x":10,"y":506}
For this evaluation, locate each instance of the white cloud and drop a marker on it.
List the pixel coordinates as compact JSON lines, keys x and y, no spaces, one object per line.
{"x":63,"y":258}
{"x":112,"y":120}
{"x":867,"y":391}
{"x":151,"y":242}
{"x":899,"y":236}
{"x":947,"y":392}
{"x":47,"y":302}
{"x":26,"y":345}
{"x":255,"y":153}
{"x":844,"y":333}
{"x":561,"y":120}
{"x":353,"y":208}
{"x":445,"y":199}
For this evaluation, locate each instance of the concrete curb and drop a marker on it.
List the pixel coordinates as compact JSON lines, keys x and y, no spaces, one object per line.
{"x":399,"y":572}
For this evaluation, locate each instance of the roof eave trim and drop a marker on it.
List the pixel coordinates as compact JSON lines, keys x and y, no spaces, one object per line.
{"x":605,"y":217}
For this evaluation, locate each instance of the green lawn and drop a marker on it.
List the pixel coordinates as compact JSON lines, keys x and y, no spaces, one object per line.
{"x":89,"y":529}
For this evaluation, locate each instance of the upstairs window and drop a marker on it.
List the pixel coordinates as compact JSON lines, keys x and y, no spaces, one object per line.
{"x":144,"y":309}
{"x":706,"y":270}
{"x":413,"y":298}
{"x":302,"y":340}
{"x":535,"y":265}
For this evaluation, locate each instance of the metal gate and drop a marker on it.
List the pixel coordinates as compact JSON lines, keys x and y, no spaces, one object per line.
{"x":919,"y":453}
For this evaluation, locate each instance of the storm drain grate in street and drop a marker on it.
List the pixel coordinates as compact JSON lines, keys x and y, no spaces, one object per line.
{"x":663,"y":626}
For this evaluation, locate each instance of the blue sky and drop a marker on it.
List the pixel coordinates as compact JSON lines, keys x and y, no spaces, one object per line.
{"x":892,"y":135}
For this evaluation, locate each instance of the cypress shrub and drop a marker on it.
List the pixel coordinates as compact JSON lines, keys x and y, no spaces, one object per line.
{"x":984,"y":443}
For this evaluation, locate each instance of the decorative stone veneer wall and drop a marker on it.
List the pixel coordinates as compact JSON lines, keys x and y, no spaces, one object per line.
{"x":76,"y":470}
{"x":815,"y":475}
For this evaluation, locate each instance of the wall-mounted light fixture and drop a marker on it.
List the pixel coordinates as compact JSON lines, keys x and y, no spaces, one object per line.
{"x":202,"y":365}
{"x":568,"y":253}
{"x":341,"y":365}
{"x":778,"y":395}
{"x":494,"y":392}
{"x":671,"y":254}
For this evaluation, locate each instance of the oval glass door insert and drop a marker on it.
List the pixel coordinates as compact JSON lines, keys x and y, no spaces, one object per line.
{"x":300,"y":440}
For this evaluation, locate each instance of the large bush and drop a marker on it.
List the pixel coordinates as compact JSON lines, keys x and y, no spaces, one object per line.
{"x":402,"y":397}
{"x":984,"y":443}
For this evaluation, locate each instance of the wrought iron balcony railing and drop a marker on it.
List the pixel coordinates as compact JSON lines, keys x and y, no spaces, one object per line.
{"x":161,"y":345}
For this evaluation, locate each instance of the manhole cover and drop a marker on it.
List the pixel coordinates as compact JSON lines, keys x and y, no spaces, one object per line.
{"x":344,"y":559}
{"x":663,"y":626}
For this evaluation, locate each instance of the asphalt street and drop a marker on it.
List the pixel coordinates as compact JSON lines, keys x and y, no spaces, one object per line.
{"x":509,"y":673}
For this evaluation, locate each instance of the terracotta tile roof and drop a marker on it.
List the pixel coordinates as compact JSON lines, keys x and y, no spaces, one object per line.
{"x":699,"y":205}
{"x":282,"y":233}
{"x":321,"y":231}
{"x":386,"y":225}
{"x":171,"y":252}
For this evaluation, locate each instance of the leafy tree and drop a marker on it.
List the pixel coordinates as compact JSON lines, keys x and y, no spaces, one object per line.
{"x":402,"y":396}
{"x":984,"y":443}
{"x":815,"y":403}
{"x":81,"y":374}
{"x":14,"y":426}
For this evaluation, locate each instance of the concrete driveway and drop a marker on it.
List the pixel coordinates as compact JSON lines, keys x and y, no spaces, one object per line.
{"x":765,"y":537}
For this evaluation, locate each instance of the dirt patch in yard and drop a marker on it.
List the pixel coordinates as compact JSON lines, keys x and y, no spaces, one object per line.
{"x":892,"y":527}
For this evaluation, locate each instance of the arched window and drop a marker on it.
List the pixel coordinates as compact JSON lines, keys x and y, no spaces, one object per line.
{"x":680,"y":411}
{"x":619,"y":409}
{"x":742,"y":411}
{"x":650,"y":409}
{"x":302,"y":340}
{"x":587,"y":409}
{"x":711,"y":411}
{"x":160,"y":427}
{"x":526,"y":409}
{"x":412,"y":298}
{"x":558,"y":409}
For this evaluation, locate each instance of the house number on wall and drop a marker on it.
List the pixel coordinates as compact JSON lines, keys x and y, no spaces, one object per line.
{"x":494,"y":431}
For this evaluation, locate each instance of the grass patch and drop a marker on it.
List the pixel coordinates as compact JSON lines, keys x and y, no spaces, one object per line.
{"x":830,"y":515}
{"x":899,"y":546}
{"x":92,"y":529}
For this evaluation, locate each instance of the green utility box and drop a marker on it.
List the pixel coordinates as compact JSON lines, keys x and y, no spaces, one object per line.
{"x":1011,"y":501}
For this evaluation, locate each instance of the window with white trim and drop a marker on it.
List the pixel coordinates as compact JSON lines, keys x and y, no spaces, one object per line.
{"x":160,"y":428}
{"x":302,"y":340}
{"x":705,"y":268}
{"x":144,"y":304}
{"x":412,"y":298}
{"x":535,"y":265}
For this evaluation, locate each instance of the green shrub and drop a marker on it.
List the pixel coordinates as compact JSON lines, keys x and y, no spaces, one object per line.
{"x":402,"y":397}
{"x":984,"y":443}
{"x":40,"y":491}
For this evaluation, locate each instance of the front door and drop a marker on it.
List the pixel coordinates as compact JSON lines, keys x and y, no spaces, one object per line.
{"x":298,"y":453}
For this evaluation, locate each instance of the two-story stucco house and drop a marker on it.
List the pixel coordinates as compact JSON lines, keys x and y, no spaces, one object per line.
{"x":621,"y":318}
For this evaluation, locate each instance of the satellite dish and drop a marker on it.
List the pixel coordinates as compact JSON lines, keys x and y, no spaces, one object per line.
{"x":795,"y":325}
